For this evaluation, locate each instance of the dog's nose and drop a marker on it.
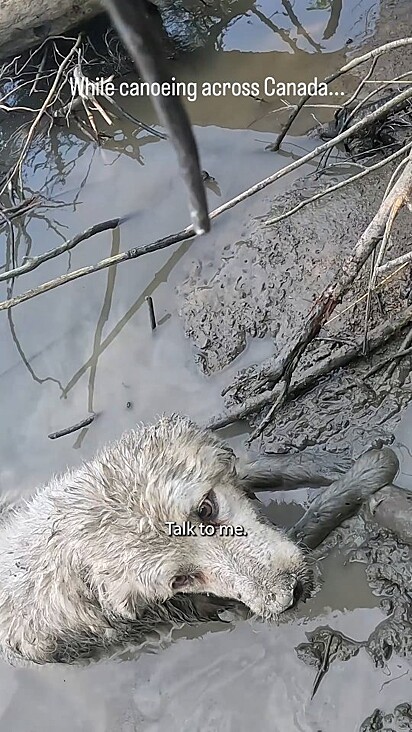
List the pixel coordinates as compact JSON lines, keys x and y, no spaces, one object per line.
{"x":298,"y":591}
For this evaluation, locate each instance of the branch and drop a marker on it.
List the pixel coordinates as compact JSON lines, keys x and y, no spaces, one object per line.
{"x":189,"y":232}
{"x":389,"y":360}
{"x":123,"y":113}
{"x":341,"y":357}
{"x":35,"y":262}
{"x":16,"y":169}
{"x":376,"y":52}
{"x":74,"y":428}
{"x":357,"y":127}
{"x":337,"y":186}
{"x":278,"y":368}
{"x":103,"y":264}
{"x":401,"y":261}
{"x":406,"y":343}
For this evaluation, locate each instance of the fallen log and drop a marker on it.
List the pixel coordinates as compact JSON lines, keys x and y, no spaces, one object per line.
{"x":25,"y":25}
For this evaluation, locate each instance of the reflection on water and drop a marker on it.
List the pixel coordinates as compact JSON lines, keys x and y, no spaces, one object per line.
{"x":281,"y":25}
{"x":88,"y":346}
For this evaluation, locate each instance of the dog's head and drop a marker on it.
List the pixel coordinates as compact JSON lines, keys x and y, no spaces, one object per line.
{"x":176,"y":520}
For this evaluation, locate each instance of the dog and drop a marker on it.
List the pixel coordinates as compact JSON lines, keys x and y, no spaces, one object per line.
{"x":153,"y":522}
{"x":160,"y":528}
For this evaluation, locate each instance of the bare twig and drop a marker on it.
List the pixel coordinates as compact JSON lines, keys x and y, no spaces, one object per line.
{"x":338,"y":186}
{"x":103,"y":264}
{"x":397,"y":205}
{"x":16,"y":169}
{"x":370,"y":290}
{"x":363,"y":297}
{"x":376,"y":266}
{"x":188,"y":232}
{"x":84,"y":128}
{"x":376,"y":52}
{"x":81,"y":80}
{"x":406,"y":343}
{"x":394,"y":175}
{"x":152,"y":316}
{"x":39,"y":72}
{"x":74,"y":428}
{"x":21,"y":208}
{"x":9,"y":224}
{"x":361,"y":84}
{"x":403,"y":260}
{"x":280,"y":399}
{"x":35,"y":262}
{"x":389,"y":359}
{"x":123,"y":113}
{"x":323,"y":666}
{"x":90,"y":119}
{"x":102,"y":112}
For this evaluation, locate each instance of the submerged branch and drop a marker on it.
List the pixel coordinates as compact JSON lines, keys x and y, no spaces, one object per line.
{"x":103,"y":264}
{"x":35,"y":262}
{"x":74,"y":428}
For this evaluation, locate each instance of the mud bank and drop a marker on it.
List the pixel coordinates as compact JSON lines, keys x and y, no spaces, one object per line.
{"x":263,"y":285}
{"x":88,"y":347}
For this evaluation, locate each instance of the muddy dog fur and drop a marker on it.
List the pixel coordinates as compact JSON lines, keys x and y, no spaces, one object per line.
{"x":88,"y":559}
{"x":91,"y":560}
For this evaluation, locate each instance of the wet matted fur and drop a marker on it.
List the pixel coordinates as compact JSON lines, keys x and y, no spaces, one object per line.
{"x":88,"y":560}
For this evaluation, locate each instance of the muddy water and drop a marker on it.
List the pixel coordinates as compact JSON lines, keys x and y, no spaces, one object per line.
{"x":88,"y":347}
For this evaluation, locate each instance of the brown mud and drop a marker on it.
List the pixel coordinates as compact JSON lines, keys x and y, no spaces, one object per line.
{"x":88,"y":348}
{"x":263,"y":283}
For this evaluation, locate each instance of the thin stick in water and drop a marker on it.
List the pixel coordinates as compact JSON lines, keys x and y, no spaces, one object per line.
{"x":74,"y":428}
{"x":152,"y":315}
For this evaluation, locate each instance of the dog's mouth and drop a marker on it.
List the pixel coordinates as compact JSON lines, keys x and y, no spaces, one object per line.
{"x":279,"y":603}
{"x":304,"y":588}
{"x":307,"y":581}
{"x":270,"y":610}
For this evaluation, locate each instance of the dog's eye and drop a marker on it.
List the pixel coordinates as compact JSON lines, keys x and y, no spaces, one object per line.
{"x":180,"y":581}
{"x":208,"y":509}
